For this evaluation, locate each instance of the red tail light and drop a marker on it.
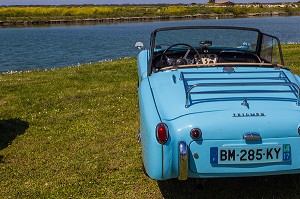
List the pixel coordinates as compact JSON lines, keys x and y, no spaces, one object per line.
{"x":196,"y":133}
{"x":162,"y":133}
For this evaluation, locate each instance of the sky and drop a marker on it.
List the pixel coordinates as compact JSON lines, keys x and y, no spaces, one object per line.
{"x":69,"y":2}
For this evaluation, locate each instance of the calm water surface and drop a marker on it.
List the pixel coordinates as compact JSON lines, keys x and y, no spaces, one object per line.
{"x":59,"y":46}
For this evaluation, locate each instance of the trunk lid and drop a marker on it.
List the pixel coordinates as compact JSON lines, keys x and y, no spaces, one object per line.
{"x":236,"y":100}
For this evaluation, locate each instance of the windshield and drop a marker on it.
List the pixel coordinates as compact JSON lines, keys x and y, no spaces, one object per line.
{"x":215,"y":38}
{"x":209,"y":46}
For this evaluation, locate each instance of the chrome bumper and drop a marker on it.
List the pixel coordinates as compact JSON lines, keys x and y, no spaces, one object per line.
{"x":183,"y":161}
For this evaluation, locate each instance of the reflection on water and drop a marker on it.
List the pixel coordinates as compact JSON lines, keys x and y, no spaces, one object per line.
{"x":58,"y":46}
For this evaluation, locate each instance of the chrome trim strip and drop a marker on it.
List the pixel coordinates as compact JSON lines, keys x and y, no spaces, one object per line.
{"x":268,"y":65}
{"x":251,"y":136}
{"x":183,"y":161}
{"x":243,"y":84}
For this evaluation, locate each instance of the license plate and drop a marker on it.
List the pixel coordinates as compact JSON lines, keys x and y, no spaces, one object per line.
{"x":250,"y":155}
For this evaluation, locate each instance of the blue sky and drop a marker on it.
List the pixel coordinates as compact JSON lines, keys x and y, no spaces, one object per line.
{"x":58,"y":2}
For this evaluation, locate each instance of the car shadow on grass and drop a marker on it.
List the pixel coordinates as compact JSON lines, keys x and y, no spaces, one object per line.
{"x":285,"y":186}
{"x":9,"y":130}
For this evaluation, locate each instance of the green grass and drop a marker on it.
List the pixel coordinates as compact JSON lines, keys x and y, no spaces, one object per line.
{"x":291,"y":57}
{"x":75,"y":131}
{"x":72,"y":133}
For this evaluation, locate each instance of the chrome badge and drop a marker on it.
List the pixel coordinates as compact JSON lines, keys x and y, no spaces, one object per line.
{"x":248,"y":115}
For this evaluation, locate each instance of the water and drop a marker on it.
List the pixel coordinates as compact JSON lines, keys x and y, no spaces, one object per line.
{"x":58,"y":46}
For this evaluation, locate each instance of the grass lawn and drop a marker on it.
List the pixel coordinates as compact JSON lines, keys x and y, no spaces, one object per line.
{"x":72,"y":133}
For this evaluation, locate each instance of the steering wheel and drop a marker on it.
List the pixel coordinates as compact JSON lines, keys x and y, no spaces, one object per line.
{"x":179,"y":61}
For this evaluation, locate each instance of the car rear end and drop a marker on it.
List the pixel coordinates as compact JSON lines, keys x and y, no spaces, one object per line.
{"x":239,"y":123}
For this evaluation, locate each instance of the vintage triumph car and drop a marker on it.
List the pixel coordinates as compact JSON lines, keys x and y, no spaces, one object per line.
{"x":217,"y":102}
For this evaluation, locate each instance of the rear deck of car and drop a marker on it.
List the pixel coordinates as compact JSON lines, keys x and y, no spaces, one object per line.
{"x":227,"y":103}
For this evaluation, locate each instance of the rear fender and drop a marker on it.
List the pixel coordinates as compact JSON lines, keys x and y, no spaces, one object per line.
{"x":149,"y":118}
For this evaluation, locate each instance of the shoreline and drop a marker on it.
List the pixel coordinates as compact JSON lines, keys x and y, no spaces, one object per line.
{"x":10,"y":72}
{"x":8,"y":23}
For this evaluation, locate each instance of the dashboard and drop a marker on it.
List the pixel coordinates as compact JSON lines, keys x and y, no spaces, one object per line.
{"x":177,"y":59}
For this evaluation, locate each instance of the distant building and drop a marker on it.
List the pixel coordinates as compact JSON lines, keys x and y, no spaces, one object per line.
{"x":224,"y":3}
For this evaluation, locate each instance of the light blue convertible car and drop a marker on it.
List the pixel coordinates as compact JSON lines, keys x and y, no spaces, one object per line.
{"x":217,"y":102}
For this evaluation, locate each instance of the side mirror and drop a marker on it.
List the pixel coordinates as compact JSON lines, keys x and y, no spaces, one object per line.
{"x":139,"y":45}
